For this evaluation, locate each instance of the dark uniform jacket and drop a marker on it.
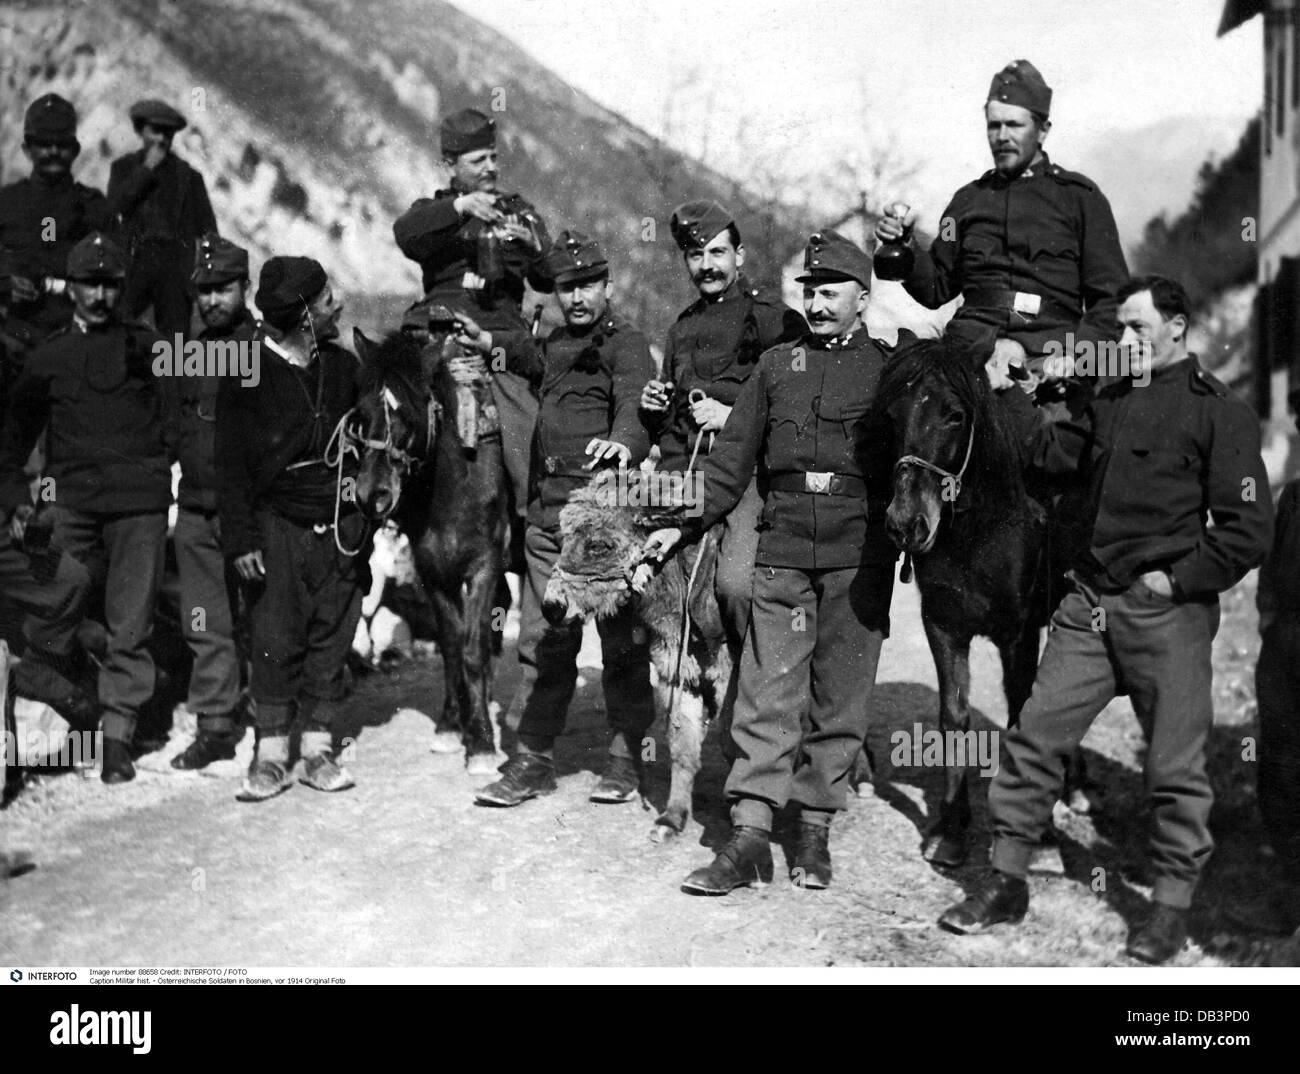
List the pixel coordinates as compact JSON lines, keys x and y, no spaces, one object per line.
{"x":590,"y":383}
{"x":192,"y":414}
{"x":169,"y":202}
{"x":715,"y":346}
{"x":106,"y":447}
{"x":31,"y":211}
{"x":1048,"y":232}
{"x":808,"y":408}
{"x":1278,"y":596}
{"x":1158,"y":460}
{"x":263,"y":431}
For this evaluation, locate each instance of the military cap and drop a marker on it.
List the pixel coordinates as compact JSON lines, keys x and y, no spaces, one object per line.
{"x":696,"y":222}
{"x":829,"y":256}
{"x":157,"y":114}
{"x":573,"y":256}
{"x":51,"y":119}
{"x":1020,"y":83}
{"x":218,"y":260}
{"x":467,"y":130}
{"x":287,"y":286}
{"x":96,"y":257}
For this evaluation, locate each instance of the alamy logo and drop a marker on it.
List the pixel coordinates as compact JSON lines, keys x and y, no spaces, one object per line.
{"x":209,"y":358}
{"x":76,"y":1026}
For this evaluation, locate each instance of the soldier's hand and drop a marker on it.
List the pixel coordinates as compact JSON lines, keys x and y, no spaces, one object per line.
{"x":480,"y":204}
{"x":249,"y":566}
{"x":23,"y":289}
{"x":520,"y":233}
{"x":654,"y":396}
{"x":891,"y":229}
{"x":471,"y":336}
{"x":467,"y":368}
{"x":18,"y":521}
{"x":607,"y":449}
{"x":709,"y":414}
{"x":1006,"y":352}
{"x":155,"y":152}
{"x":1158,"y":582}
{"x":660,"y":543}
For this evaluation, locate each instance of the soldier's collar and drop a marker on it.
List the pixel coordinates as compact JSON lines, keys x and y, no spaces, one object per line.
{"x":844,"y":342}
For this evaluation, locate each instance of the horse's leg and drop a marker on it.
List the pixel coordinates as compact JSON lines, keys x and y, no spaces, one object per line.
{"x":1019,"y":666}
{"x":447,"y":728}
{"x":480,"y":742}
{"x":686,"y":729}
{"x":945,"y":843}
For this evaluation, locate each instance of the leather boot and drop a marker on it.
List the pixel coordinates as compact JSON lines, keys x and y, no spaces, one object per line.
{"x":999,"y":898}
{"x":1161,"y":938}
{"x":116,"y":766}
{"x":526,"y":775}
{"x":812,"y":857}
{"x":208,"y":746}
{"x":746,"y":858}
{"x":621,"y":781}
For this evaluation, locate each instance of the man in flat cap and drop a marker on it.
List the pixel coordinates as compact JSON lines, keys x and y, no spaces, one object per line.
{"x":711,"y":350}
{"x":164,"y":207}
{"x":41,"y":218}
{"x":476,"y":248}
{"x":207,"y":581}
{"x":823,"y":575}
{"x":276,"y":502}
{"x":108,"y":472}
{"x":1031,"y":248}
{"x":589,"y":371}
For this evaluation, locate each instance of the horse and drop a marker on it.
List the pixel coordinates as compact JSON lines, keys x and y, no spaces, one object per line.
{"x":979,"y":540}
{"x":451,"y":502}
{"x":602,"y":567}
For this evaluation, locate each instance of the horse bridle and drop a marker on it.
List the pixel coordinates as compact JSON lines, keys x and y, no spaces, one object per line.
{"x":925,"y":464}
{"x":404,"y":459}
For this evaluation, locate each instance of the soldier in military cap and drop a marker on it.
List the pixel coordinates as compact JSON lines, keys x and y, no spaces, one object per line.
{"x":1031,"y":248}
{"x":823,"y":574}
{"x":207,"y":581}
{"x":278,"y":502}
{"x":164,"y":206}
{"x":711,"y":350}
{"x":476,"y":248}
{"x":589,"y":372}
{"x":41,"y":218}
{"x":108,"y":471}
{"x":1162,"y":460}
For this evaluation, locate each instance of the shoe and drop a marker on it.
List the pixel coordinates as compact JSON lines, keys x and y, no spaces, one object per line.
{"x":620,"y":783}
{"x":812,"y":857}
{"x":524,"y":776}
{"x":746,"y":858}
{"x":1000,"y":898}
{"x":1161,"y":937}
{"x":15,"y":863}
{"x":78,"y":703}
{"x":206,"y":748}
{"x":265,"y":780}
{"x":322,"y":772}
{"x":116,"y":766}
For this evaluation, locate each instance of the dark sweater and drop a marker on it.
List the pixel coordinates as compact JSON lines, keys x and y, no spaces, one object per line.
{"x":167,"y":202}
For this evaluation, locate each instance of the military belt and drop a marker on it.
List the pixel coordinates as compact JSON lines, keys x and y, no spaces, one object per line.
{"x":1023,"y":305}
{"x":819,"y":483}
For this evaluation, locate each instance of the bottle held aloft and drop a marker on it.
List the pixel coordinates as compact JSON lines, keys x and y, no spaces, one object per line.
{"x":894,"y":260}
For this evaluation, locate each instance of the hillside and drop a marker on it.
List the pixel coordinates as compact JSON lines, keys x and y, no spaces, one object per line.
{"x":315,"y":124}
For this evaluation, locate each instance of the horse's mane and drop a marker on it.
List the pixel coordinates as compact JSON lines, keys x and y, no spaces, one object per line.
{"x":398,"y":363}
{"x":995,"y":475}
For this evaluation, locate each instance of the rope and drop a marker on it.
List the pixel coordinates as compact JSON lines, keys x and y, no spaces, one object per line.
{"x":684,"y":633}
{"x":345,"y":444}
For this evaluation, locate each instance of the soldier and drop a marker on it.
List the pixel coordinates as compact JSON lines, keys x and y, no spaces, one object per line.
{"x":108,"y":473}
{"x":711,"y":350}
{"x":1143,"y":611}
{"x":207,"y":583}
{"x":277,"y":501}
{"x":165,"y":209}
{"x":41,"y":218}
{"x":824,"y":570}
{"x":1031,"y":248}
{"x":590,"y":371}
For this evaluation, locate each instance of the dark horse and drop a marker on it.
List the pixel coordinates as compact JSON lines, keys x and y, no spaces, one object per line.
{"x":450,"y":501}
{"x":978,"y":538}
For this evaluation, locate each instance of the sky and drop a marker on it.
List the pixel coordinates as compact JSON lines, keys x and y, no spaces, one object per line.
{"x":780,"y":84}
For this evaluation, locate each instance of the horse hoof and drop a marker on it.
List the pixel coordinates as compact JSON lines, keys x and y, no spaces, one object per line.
{"x":482,"y":764}
{"x":944,"y":851}
{"x":665,"y":829}
{"x":446,"y":742}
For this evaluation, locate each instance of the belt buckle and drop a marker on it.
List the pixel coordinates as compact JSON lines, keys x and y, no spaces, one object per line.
{"x":817,"y":482}
{"x":1026,"y":304}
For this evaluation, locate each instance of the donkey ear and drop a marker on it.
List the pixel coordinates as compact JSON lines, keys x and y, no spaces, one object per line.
{"x":365,"y":347}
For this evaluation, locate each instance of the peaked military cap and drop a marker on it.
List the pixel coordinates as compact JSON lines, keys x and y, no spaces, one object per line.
{"x":696,"y":222}
{"x":467,"y":130}
{"x":51,"y":119}
{"x":1020,"y":83}
{"x":96,"y":257}
{"x":218,"y":260}
{"x":829,"y":257}
{"x":287,"y":286}
{"x":157,"y":114}
{"x":573,"y":256}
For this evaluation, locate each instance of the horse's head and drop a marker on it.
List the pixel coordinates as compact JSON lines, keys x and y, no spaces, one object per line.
{"x":935,"y":400}
{"x":397,"y":416}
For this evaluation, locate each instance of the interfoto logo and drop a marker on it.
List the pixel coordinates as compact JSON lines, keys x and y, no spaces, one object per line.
{"x":15,"y":976}
{"x":209,"y":358}
{"x":75,"y":1026}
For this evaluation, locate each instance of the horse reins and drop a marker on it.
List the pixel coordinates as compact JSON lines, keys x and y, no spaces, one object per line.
{"x":905,"y":575}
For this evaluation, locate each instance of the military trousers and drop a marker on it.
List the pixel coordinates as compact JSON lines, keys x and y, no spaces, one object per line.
{"x":548,"y":661}
{"x":41,"y":597}
{"x":159,"y":277}
{"x":207,"y":623}
{"x":1277,"y":688}
{"x":806,"y":677}
{"x":129,"y":552}
{"x":303,"y":616}
{"x":1155,"y":649}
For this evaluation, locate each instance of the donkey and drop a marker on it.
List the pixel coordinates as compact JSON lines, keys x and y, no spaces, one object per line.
{"x":979,"y":541}
{"x":601,"y":567}
{"x":450,"y":501}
